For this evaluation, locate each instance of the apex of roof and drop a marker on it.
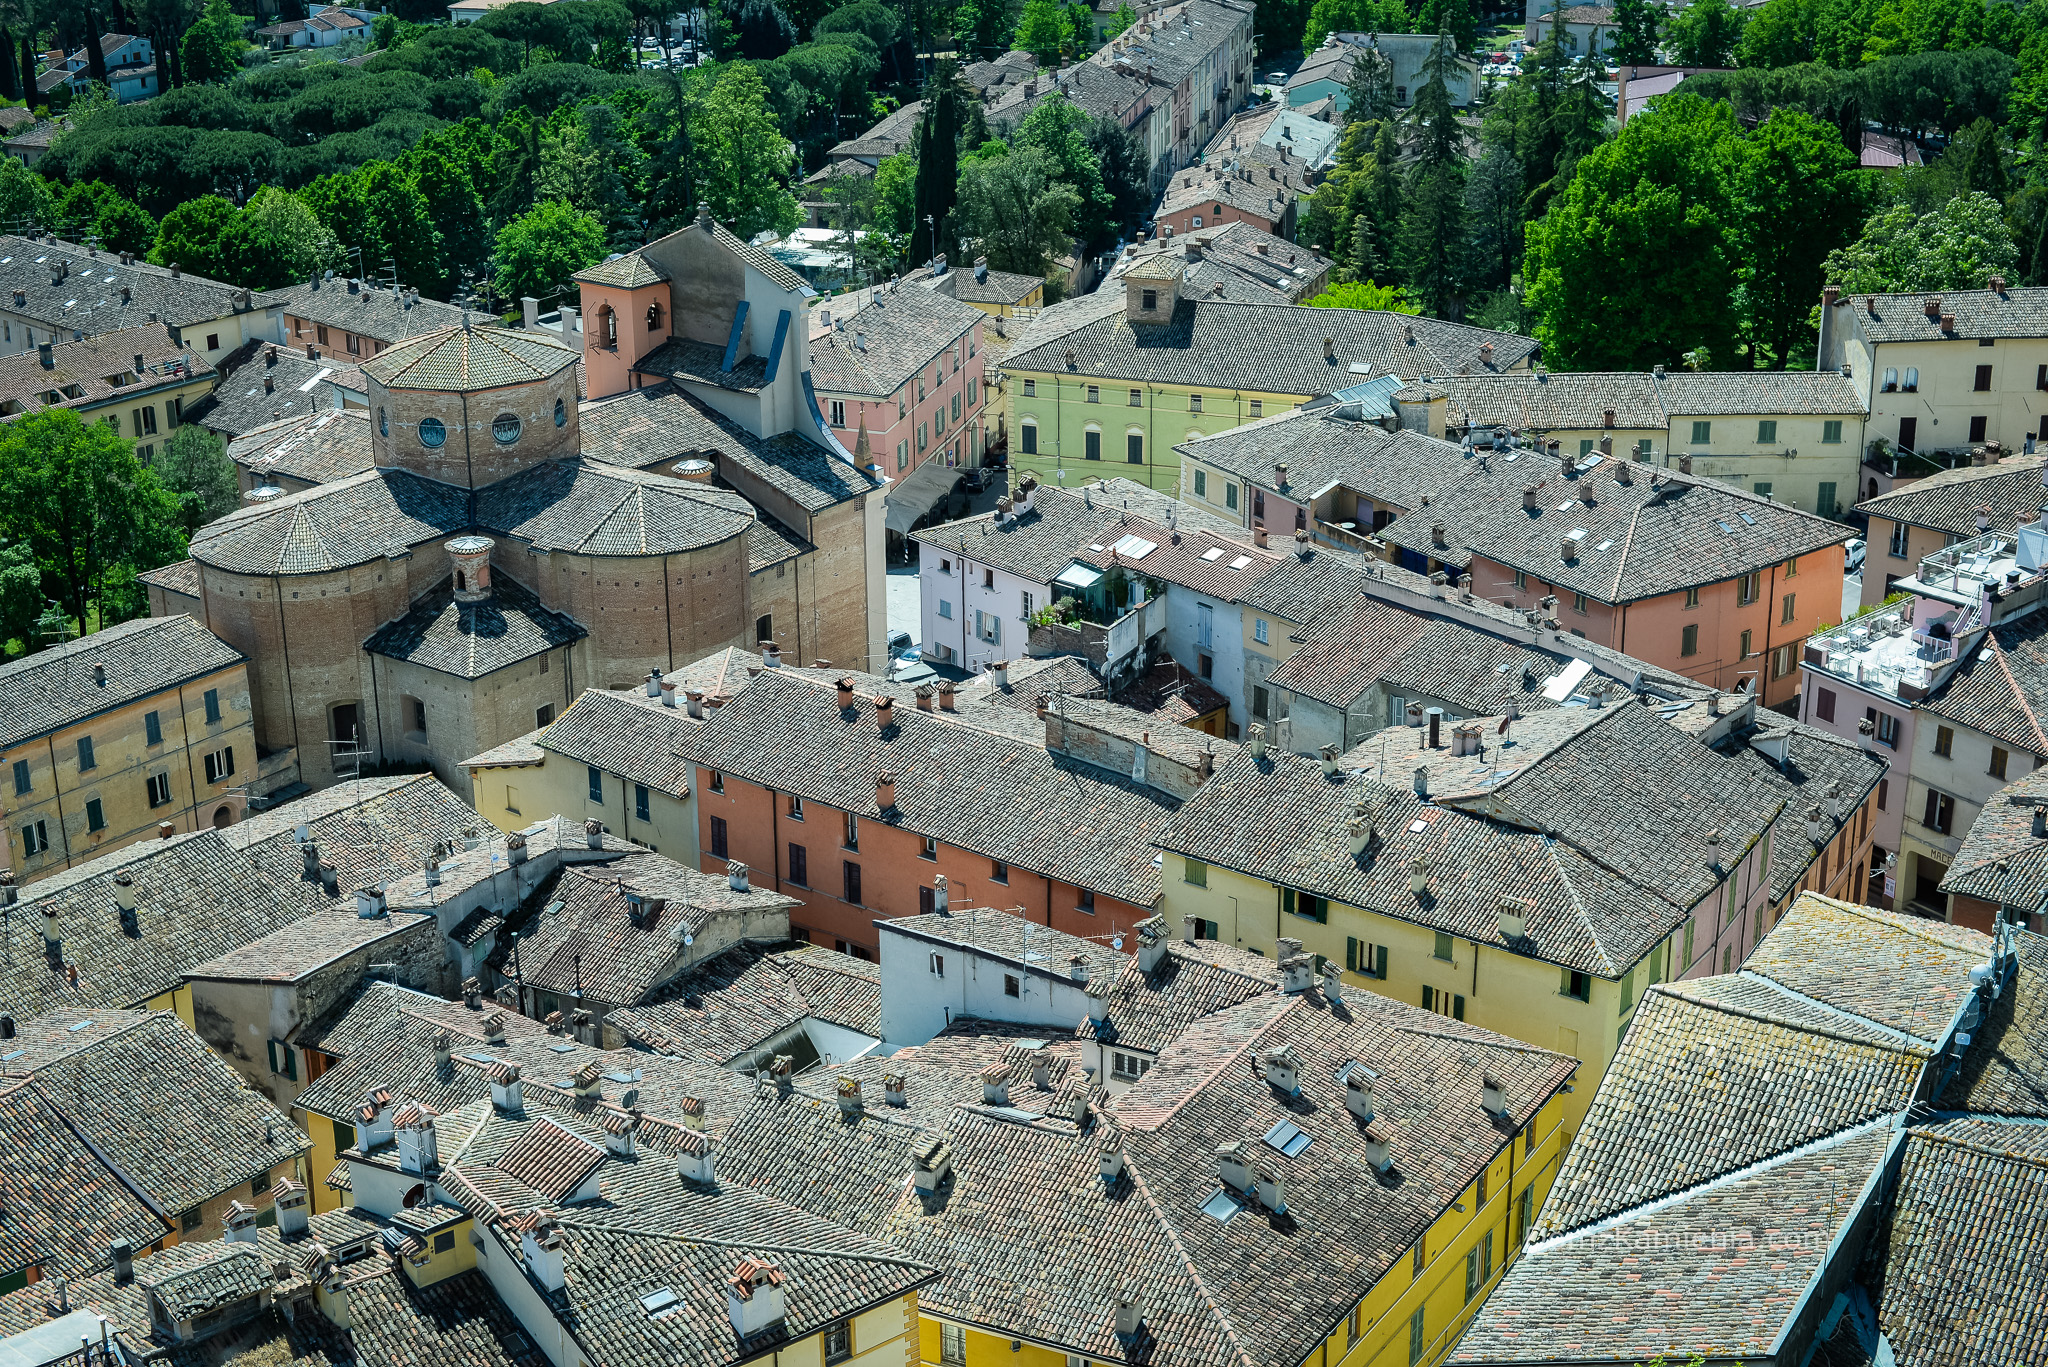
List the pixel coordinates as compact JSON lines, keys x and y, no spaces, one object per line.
{"x":469,"y":358}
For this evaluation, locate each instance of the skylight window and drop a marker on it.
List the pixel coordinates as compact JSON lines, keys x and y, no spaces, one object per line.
{"x":1747,"y":519}
{"x":1289,"y":1138}
{"x":1725,"y":527}
{"x":1604,"y":546}
{"x":1213,"y":553}
{"x":1577,"y":534}
{"x":1136,"y":547}
{"x":660,"y":1299}
{"x":563,"y":1048}
{"x":1240,"y":562}
{"x":1221,"y":1207}
{"x":1566,"y":506}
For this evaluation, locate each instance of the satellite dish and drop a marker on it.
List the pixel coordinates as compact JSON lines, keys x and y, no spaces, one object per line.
{"x":689,"y":939}
{"x":1117,"y":943}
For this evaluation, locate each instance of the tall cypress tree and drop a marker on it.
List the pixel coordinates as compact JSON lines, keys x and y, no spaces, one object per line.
{"x":938,"y":162}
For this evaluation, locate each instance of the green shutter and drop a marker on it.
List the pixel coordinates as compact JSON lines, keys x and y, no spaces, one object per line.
{"x":1350,"y":954}
{"x":1383,"y":962}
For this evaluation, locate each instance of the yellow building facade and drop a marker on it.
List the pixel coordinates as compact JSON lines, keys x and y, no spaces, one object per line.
{"x":152,"y":726}
{"x":1072,"y":428}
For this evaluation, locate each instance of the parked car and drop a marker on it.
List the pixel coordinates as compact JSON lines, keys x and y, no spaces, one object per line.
{"x":900,"y":644}
{"x":1853,"y":560}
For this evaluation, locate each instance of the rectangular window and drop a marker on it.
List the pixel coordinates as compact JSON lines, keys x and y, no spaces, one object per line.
{"x":35,"y":838}
{"x":85,"y":756}
{"x":1824,"y":704}
{"x":1790,"y":612}
{"x":1195,"y":872}
{"x":1746,"y":652}
{"x":930,"y":850}
{"x":1576,"y":984}
{"x":1702,"y":431}
{"x":283,"y":1058}
{"x":1761,"y":488}
{"x":946,"y":608}
{"x":1692,"y":597}
{"x":1766,"y":431}
{"x":419,"y":714}
{"x":796,"y":807}
{"x":1749,"y":588}
{"x":595,"y":777}
{"x":152,"y":728}
{"x":1230,"y":495}
{"x":1977,"y":425}
{"x":1824,"y":501}
{"x":799,"y":865}
{"x":640,"y":804}
{"x":1084,"y":900}
{"x":1305,"y":905}
{"x":838,"y":412}
{"x":213,"y":706}
{"x":22,"y":783}
{"x":850,"y":876}
{"x":998,"y":871}
{"x":1941,"y":812}
{"x":1137,"y":398}
{"x":852,"y":831}
{"x":1443,"y":947}
{"x":1031,"y":389}
{"x":1026,"y":611}
{"x":1689,"y":639}
{"x":938,"y":965}
{"x":1260,"y":706}
{"x":1578,"y":602}
{"x":952,"y":1338}
{"x":1944,"y":741}
{"x":1258,"y":408}
{"x":718,"y":844}
{"x":1983,"y":385}
{"x":1094,"y":393}
{"x":159,"y":786}
{"x":1998,"y":760}
{"x":1521,"y":579}
{"x":1884,"y":794}
{"x":838,"y":1341}
{"x":1416,"y":1341}
{"x":1134,"y":448}
{"x":95,"y":815}
{"x":1091,"y":445}
{"x":1129,"y":1067}
{"x":1525,"y":1203}
{"x":1194,"y":403}
{"x":1831,"y":432}
{"x":1012,"y":987}
{"x":220,"y":764}
{"x":544,"y":715}
{"x":1201,"y":484}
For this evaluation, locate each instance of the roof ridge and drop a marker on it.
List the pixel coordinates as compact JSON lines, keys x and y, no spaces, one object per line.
{"x":1187,"y":1261}
{"x":2026,"y":704}
{"x":1678,"y":1195}
{"x":1906,"y":1044}
{"x":569,"y":1222}
{"x":1578,"y":903}
{"x":1933,"y":1137}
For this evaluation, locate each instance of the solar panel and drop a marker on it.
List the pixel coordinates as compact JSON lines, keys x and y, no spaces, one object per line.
{"x":1221,"y":1207}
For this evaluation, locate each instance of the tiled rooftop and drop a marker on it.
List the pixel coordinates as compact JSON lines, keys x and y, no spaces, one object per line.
{"x":468,"y":359}
{"x":101,"y":368}
{"x":110,"y":668}
{"x":2012,"y":492}
{"x":369,"y":310}
{"x":319,"y":445}
{"x":880,"y":339}
{"x":728,"y":1007}
{"x":2002,"y":860}
{"x":74,"y":289}
{"x":470,"y":640}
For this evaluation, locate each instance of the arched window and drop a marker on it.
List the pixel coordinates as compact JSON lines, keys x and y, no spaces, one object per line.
{"x":561,"y":414}
{"x":654,"y":317}
{"x":1912,"y":379}
{"x":608,"y":326}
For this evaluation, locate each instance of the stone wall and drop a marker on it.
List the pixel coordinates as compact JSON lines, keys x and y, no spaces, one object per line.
{"x":471,"y":457}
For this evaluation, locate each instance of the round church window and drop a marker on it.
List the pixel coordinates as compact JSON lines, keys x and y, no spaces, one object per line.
{"x":505,"y":427}
{"x":432,"y":433}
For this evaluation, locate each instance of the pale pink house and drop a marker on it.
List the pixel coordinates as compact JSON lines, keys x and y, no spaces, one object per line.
{"x":903,"y":366}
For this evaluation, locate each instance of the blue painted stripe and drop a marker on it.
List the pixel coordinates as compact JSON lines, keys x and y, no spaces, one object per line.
{"x":732,"y":343}
{"x":775,"y":352}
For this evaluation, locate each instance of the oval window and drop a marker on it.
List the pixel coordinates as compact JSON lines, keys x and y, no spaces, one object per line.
{"x":505,"y":427}
{"x":561,"y":414}
{"x":432,"y":433}
{"x":383,"y":424}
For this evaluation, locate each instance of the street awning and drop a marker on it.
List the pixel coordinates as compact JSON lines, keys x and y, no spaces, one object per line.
{"x":917,"y":493}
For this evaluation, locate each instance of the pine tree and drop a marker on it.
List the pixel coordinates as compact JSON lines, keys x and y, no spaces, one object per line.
{"x":1436,"y":122}
{"x":1363,"y":263}
{"x":1635,"y":32}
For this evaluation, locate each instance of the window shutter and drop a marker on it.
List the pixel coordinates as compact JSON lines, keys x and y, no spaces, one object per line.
{"x":1382,"y":954}
{"x":1350,"y":954}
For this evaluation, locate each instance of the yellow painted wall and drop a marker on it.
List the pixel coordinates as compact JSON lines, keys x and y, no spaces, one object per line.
{"x":326,"y":1153}
{"x":1733,"y":453}
{"x":1513,"y":994}
{"x":1947,"y":397}
{"x":179,"y":1001}
{"x":886,"y":1334}
{"x":561,"y":786}
{"x":427,"y":1267}
{"x":1165,"y":415}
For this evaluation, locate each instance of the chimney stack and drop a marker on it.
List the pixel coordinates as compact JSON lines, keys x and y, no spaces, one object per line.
{"x":618,"y":1133}
{"x":845,"y":687}
{"x":239,"y":1223}
{"x":370,"y":904}
{"x":736,"y":876}
{"x":947,"y":695}
{"x":1492,"y":1096}
{"x":1358,"y":1094}
{"x":1152,"y":940}
{"x":330,"y":879}
{"x":885,"y":791}
{"x":693,"y":1157}
{"x":995,"y":1084}
{"x":893,"y":1089}
{"x":1377,"y":1151}
{"x":122,"y":1253}
{"x":849,"y":1097}
{"x":1256,"y":739}
{"x":668,"y":693}
{"x":1283,"y":1068}
{"x":545,"y":1250}
{"x":653,"y":684}
{"x":292,"y":1211}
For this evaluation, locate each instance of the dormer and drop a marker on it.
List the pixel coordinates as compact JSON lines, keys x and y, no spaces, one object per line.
{"x":1152,"y":291}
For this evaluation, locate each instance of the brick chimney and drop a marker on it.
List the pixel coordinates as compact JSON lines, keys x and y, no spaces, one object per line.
{"x":593,"y":833}
{"x":895,"y":1089}
{"x":1377,"y":1151}
{"x":947,"y":695}
{"x":1152,"y":940}
{"x":885,"y":791}
{"x":239,"y":1223}
{"x":845,"y":687}
{"x":370,"y":903}
{"x":931,"y":1163}
{"x":1271,"y":1186}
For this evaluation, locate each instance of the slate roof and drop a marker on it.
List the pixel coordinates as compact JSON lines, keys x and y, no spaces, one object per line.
{"x":58,"y":687}
{"x":199,"y":897}
{"x":980,"y":285}
{"x":585,"y":941}
{"x":1949,"y":500}
{"x":101,"y":367}
{"x":1036,"y":1245}
{"x":1783,"y":1074}
{"x":1269,"y":348}
{"x":1606,"y":841}
{"x":600,"y":509}
{"x":2002,"y":688}
{"x":296,"y":951}
{"x":1961,"y":1277}
{"x":1543,"y":400}
{"x":1322,"y":450}
{"x":179,"y":577}
{"x":383,"y":314}
{"x":87,"y":297}
{"x":2001,"y":860}
{"x":1030,"y":681}
{"x":513,"y":754}
{"x":1249,"y":183}
{"x":470,"y":640}
{"x":882,"y":339}
{"x":317,"y":447}
{"x":158,"y":1108}
{"x":1064,"y":523}
{"x":999,"y":797}
{"x":350,"y":521}
{"x":300,"y":389}
{"x":65,"y":1205}
{"x":1196,"y":979}
{"x":733,"y":1004}
{"x":1751,"y":1245}
{"x":1251,"y":265}
{"x":1661,"y":531}
{"x":1830,"y":772}
{"x":2005,"y":1076}
{"x":468,"y":359}
{"x":2019,"y":312}
{"x":662,"y":423}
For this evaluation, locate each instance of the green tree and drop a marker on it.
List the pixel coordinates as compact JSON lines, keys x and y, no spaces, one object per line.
{"x":124,"y":226}
{"x":1798,"y":202}
{"x":1043,"y":31}
{"x":195,"y":469}
{"x":1438,"y":141}
{"x":1019,"y":208}
{"x":1121,"y":19}
{"x":21,"y":595}
{"x":1704,"y":33}
{"x":539,"y":251}
{"x":212,"y":47}
{"x":1060,"y":128}
{"x":1959,"y":246}
{"x":90,"y":512}
{"x":190,"y":236}
{"x":938,"y":163}
{"x":1493,"y":211}
{"x":457,"y":212}
{"x":1364,"y":294}
{"x":1454,"y":17}
{"x":1781,"y":33}
{"x":1657,"y":198}
{"x":276,"y":240}
{"x":25,"y":198}
{"x":745,"y":159}
{"x":397,"y":234}
{"x":1635,"y":31}
{"x":1369,"y":89}
{"x":982,"y":28}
